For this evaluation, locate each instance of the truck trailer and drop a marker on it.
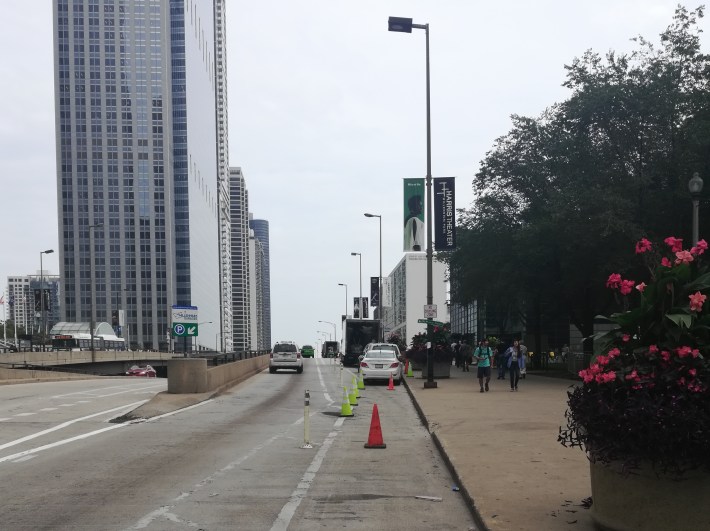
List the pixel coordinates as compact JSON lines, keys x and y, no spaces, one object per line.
{"x":358,"y":333}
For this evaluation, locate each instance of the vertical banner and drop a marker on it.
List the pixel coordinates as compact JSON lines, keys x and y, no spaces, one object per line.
{"x":375,"y":291}
{"x":414,"y":231}
{"x":356,"y":308}
{"x":386,"y":292}
{"x":444,"y":213}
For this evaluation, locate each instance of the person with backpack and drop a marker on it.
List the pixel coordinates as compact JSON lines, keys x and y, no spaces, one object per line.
{"x":516,"y":361}
{"x":483,"y":354}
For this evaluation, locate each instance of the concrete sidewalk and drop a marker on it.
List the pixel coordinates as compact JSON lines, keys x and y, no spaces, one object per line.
{"x":503,"y":448}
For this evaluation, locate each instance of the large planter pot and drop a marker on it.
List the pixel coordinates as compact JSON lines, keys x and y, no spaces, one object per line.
{"x":442,"y":369}
{"x":643,"y":501}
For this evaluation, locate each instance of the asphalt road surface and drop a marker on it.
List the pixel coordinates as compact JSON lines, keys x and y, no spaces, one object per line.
{"x":244,"y":460}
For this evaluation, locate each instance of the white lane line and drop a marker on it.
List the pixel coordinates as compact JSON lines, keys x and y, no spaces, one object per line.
{"x":322,"y":384}
{"x":4,"y":419}
{"x":284,"y":518}
{"x":48,"y":409}
{"x":25,"y":414}
{"x":64,"y":425}
{"x":165,"y":510}
{"x":67,"y":405}
{"x":26,"y":458}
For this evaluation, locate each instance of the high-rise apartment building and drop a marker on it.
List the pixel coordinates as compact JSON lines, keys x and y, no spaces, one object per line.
{"x":239,"y":210}
{"x":256,"y":291}
{"x":140,"y":98}
{"x":261,"y":233}
{"x":26,"y":308}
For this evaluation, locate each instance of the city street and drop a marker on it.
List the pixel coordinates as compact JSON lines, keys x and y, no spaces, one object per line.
{"x":233,"y":462}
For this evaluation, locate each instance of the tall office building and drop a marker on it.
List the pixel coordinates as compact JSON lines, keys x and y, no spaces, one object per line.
{"x":239,"y":209}
{"x":256,"y":291}
{"x":141,"y":162}
{"x":261,"y":233}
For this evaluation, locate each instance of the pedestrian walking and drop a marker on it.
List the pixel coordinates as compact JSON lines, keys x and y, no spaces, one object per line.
{"x":515,"y":360}
{"x":456,"y":347}
{"x":483,"y":354}
{"x":501,"y":361}
{"x":466,"y":355}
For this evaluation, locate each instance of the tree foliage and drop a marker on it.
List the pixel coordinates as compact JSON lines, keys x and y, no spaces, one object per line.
{"x":562,"y":196}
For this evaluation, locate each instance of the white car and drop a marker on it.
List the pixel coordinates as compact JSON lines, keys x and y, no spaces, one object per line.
{"x":381,"y":364}
{"x":285,"y":355}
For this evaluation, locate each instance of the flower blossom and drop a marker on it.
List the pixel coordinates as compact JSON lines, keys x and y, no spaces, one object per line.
{"x":700,"y":247}
{"x":614,"y":281}
{"x":626,"y":286}
{"x":683,"y":257}
{"x":666,"y":355}
{"x":613,"y":353}
{"x":606,"y":377}
{"x":642,"y":246}
{"x":641,"y":287}
{"x":683,"y":352}
{"x":653,"y":349}
{"x":665,"y":262}
{"x":626,"y":338}
{"x":676,"y":244}
{"x":633,"y":375}
{"x":697,"y":300}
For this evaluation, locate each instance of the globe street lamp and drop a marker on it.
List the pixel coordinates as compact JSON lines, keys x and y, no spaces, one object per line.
{"x":41,"y":297}
{"x":405,"y":25}
{"x":695,"y":186}
{"x":335,"y":334}
{"x":359,"y":304}
{"x":379,"y":281}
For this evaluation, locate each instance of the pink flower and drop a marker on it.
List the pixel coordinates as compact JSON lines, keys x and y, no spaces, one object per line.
{"x":683,"y":257}
{"x":701,"y":247}
{"x":695,"y":352}
{"x":676,"y":244}
{"x":633,"y":375}
{"x":625,"y":338}
{"x":653,"y":349}
{"x":626,"y":286}
{"x":697,"y":300}
{"x":683,"y":352}
{"x":665,"y":262}
{"x":606,"y":377}
{"x":642,"y":246}
{"x":614,"y":281}
{"x":692,"y":372}
{"x":613,"y":353}
{"x":641,"y":287}
{"x":666,"y":355}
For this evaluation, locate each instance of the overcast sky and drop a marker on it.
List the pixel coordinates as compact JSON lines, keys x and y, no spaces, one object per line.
{"x":327,"y":116}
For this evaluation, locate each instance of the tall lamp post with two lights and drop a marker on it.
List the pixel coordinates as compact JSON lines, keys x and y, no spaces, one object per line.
{"x":405,"y":25}
{"x":43,"y":319}
{"x":695,"y":187}
{"x":379,"y":281}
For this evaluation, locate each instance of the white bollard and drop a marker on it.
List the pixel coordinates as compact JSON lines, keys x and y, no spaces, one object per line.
{"x":306,"y":420}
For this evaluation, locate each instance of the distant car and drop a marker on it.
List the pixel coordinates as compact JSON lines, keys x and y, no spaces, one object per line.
{"x":307,"y":351}
{"x":285,"y":355}
{"x":380,"y":364}
{"x":141,"y":370}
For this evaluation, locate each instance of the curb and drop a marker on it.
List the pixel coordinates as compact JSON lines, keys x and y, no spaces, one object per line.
{"x":477,"y":518}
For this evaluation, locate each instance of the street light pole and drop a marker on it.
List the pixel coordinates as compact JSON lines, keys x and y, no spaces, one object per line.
{"x":379,"y":281}
{"x":359,"y":304}
{"x":695,"y":186}
{"x":92,"y":318}
{"x":335,"y":334}
{"x":43,"y":334}
{"x":346,"y":298}
{"x":405,"y":25}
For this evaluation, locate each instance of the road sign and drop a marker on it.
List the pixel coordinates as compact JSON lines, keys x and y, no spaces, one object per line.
{"x":430,"y":321}
{"x":430,"y":311}
{"x":185,"y":329}
{"x":185,"y":314}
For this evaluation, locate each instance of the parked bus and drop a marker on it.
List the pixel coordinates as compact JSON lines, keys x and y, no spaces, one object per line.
{"x":76,"y":336}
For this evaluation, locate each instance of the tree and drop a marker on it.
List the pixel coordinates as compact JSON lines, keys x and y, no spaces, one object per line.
{"x":562,"y":197}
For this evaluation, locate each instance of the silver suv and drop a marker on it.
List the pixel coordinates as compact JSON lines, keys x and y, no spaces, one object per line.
{"x":285,"y":355}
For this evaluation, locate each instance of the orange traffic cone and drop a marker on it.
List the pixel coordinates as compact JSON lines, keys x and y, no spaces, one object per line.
{"x":390,"y":386}
{"x":374,"y":440}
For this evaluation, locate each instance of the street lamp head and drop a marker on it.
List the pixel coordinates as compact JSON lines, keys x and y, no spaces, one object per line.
{"x":355,"y":254}
{"x":695,"y":185}
{"x":402,"y":25}
{"x":341,"y":284}
{"x":48,"y":251}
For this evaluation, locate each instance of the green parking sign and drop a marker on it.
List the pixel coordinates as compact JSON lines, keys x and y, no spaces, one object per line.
{"x":185,"y":329}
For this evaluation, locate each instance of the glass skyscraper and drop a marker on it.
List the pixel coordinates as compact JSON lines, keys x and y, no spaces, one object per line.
{"x":142,"y":174}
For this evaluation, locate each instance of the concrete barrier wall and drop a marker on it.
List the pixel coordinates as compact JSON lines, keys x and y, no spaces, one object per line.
{"x":191,"y":375}
{"x":9,"y":375}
